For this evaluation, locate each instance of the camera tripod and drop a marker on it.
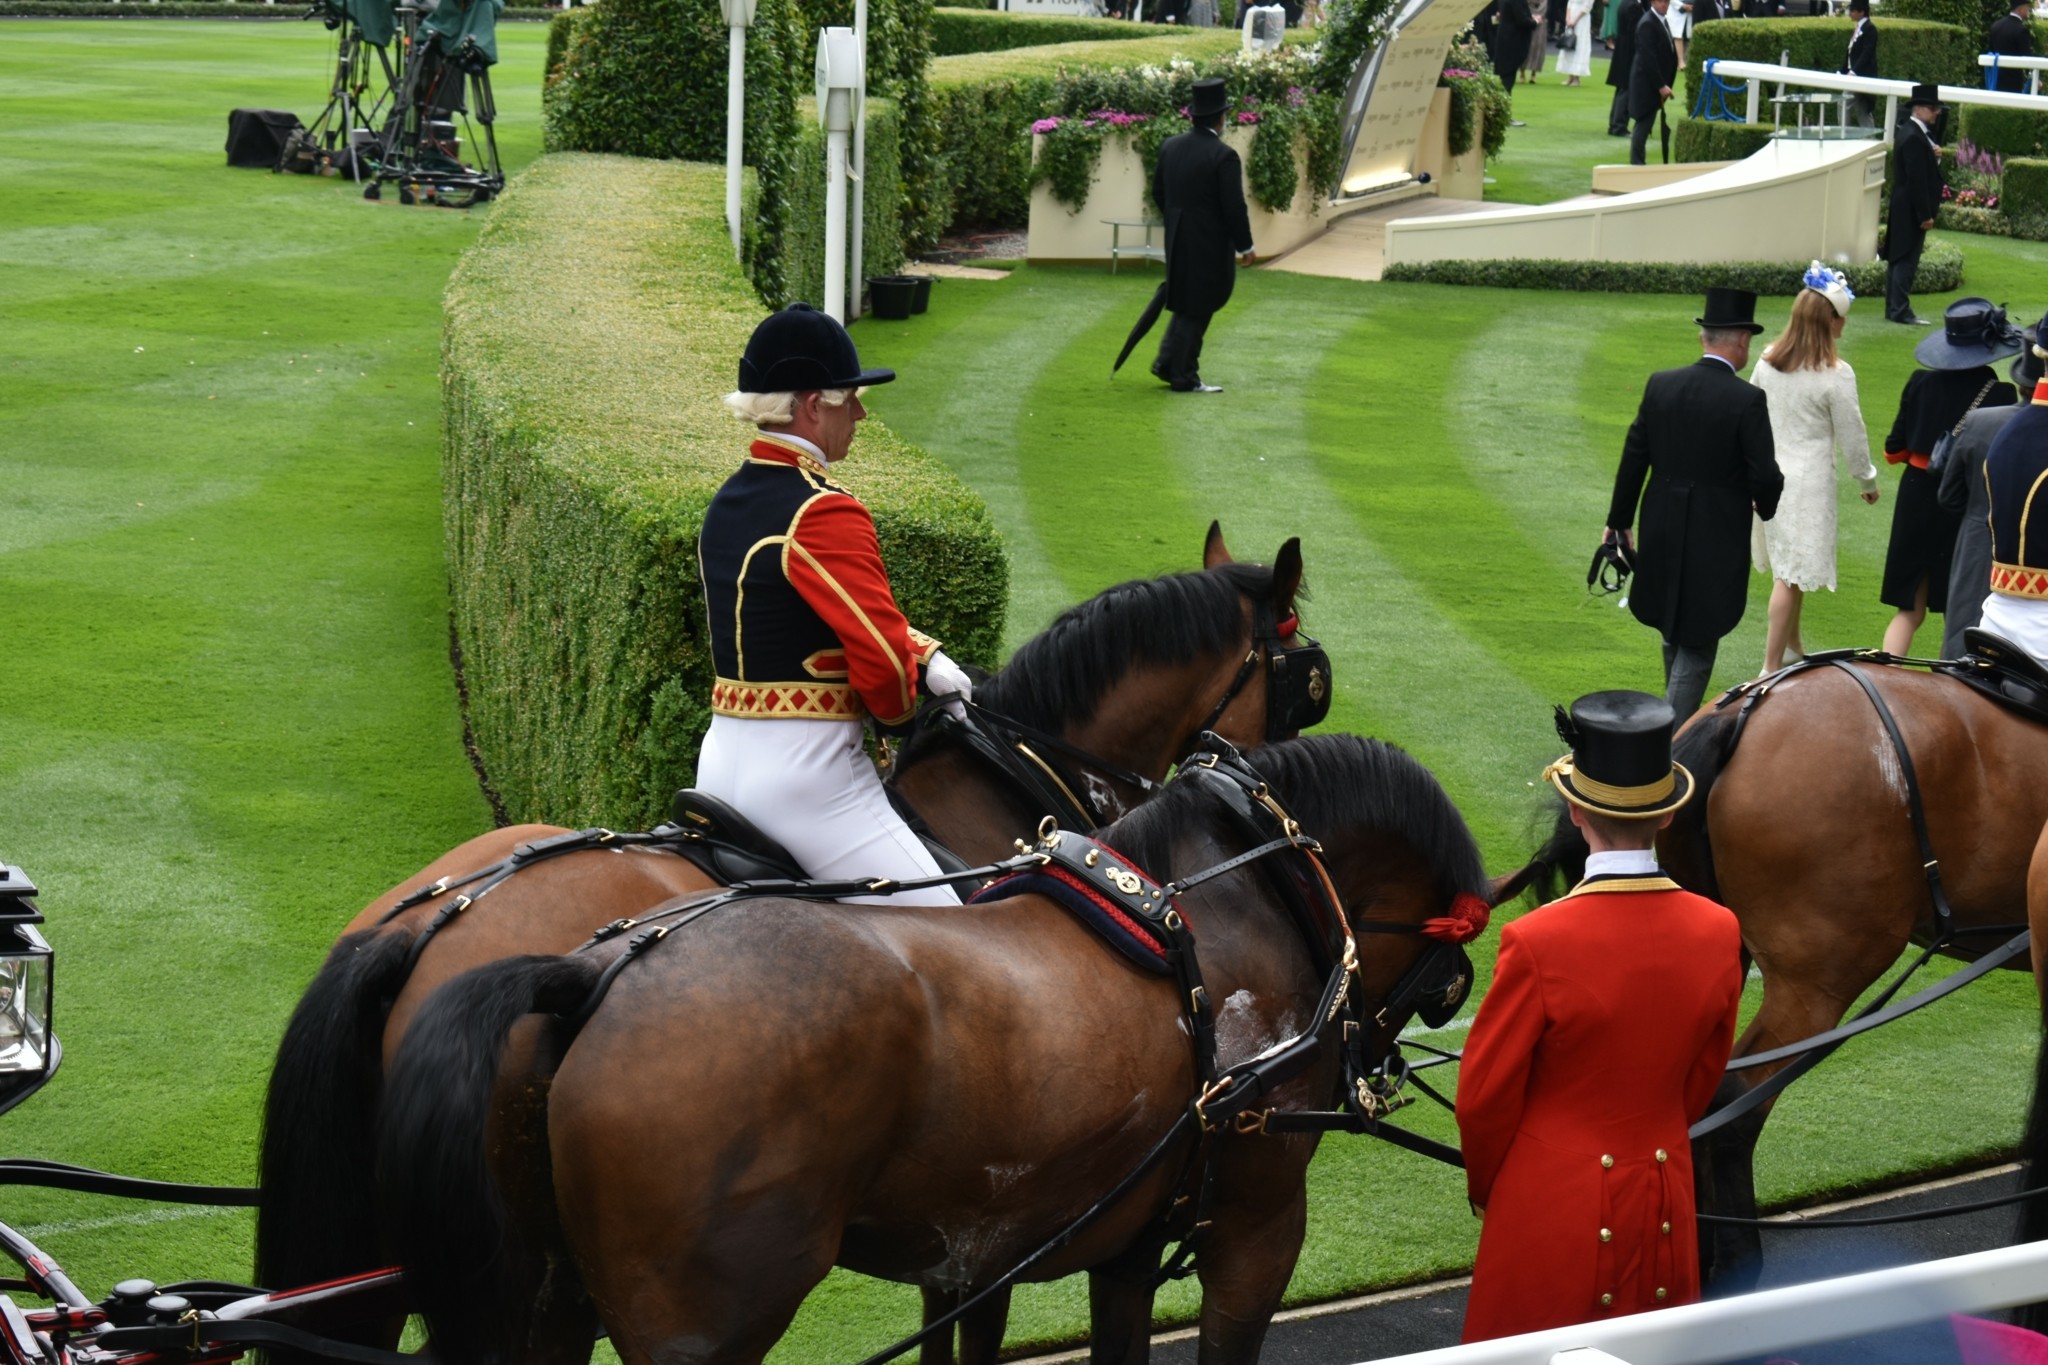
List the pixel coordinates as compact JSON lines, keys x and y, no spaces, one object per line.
{"x":442,"y":99}
{"x":338,"y":139}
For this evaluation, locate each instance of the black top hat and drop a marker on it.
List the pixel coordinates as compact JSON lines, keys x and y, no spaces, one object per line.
{"x":1859,"y":6}
{"x":2026,"y":369}
{"x":1972,"y":333}
{"x":1620,"y":763}
{"x":1209,"y":98}
{"x":1730,"y":308}
{"x":1925,"y":94}
{"x":800,"y":349}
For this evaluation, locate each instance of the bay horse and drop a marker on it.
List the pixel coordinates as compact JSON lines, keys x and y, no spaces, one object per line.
{"x":1802,"y":827}
{"x":1130,"y":676}
{"x":924,"y":1094}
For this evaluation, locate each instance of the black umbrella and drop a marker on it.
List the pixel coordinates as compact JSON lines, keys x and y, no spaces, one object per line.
{"x":1664,"y":133}
{"x":1145,"y":321}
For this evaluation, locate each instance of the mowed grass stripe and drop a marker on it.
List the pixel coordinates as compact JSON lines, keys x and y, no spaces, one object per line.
{"x":230,"y":719}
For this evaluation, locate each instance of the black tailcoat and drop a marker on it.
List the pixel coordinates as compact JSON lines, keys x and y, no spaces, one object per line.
{"x":1623,"y":64}
{"x":1517,"y":29}
{"x":1655,"y":64}
{"x":2009,"y":37}
{"x":1199,"y":185}
{"x":1863,"y":50}
{"x":1703,"y":438}
{"x":1916,"y":191}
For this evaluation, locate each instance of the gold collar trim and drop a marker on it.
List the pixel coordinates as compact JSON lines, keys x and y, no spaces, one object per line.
{"x":1594,"y":886}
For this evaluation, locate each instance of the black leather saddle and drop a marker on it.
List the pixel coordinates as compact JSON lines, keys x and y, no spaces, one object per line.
{"x":730,"y":847}
{"x":2004,"y":672}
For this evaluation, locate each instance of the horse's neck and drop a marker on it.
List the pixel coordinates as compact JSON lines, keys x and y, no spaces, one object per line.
{"x":967,"y":807}
{"x":1146,"y":721}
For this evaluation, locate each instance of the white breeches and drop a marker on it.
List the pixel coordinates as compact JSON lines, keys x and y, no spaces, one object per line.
{"x":811,"y":788}
{"x":2022,"y":620}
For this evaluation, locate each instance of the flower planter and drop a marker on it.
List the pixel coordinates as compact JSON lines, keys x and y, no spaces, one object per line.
{"x":921,"y":297}
{"x":891,"y":297}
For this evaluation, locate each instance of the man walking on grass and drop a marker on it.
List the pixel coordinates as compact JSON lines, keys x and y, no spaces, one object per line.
{"x":1649,"y":80}
{"x":1702,"y":437}
{"x":1199,"y":187}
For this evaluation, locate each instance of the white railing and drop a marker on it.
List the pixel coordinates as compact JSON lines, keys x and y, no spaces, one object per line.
{"x":1776,"y":1320}
{"x":2033,"y":66}
{"x":1757,"y":73}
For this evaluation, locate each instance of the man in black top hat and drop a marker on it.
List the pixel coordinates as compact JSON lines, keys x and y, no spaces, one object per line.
{"x":1916,"y":193}
{"x":1702,"y":436}
{"x":2010,"y":36}
{"x":1199,"y":187}
{"x":1862,"y":59}
{"x":1654,"y":68}
{"x":1621,"y":65}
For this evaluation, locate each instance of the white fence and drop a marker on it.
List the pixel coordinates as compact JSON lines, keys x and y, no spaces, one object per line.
{"x":2033,"y":66}
{"x":1757,"y":74}
{"x":1777,"y":1320}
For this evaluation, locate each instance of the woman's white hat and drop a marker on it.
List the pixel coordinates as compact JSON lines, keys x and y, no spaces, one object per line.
{"x":1830,"y":284}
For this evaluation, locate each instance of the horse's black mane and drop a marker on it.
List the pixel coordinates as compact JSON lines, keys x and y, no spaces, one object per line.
{"x":1059,"y":676}
{"x":1327,"y":783}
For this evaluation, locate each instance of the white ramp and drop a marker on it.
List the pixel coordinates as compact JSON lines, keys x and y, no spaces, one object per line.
{"x":1813,"y":200}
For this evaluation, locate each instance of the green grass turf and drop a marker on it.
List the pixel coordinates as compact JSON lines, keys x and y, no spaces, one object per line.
{"x":1565,"y":136}
{"x":227,"y":719}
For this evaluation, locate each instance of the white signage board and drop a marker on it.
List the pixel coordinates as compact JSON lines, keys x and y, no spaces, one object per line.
{"x":1389,"y":96}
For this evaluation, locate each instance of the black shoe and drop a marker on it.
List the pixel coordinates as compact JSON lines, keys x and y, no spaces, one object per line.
{"x":1911,"y":320}
{"x":1198,"y":387}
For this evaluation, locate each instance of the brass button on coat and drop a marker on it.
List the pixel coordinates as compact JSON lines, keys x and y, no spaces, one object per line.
{"x":1606,"y":1236}
{"x":1606,"y":1161}
{"x":1662,"y":1155}
{"x":1667,"y":1229}
{"x":1662,"y":1293}
{"x":1606,"y":1299}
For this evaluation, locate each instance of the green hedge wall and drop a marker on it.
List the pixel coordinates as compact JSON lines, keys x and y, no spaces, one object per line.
{"x":2008,"y":132}
{"x":1907,"y":49}
{"x":956,"y":32}
{"x":583,"y":439}
{"x":1941,"y":270}
{"x":2024,"y":186}
{"x":561,"y":31}
{"x":803,"y":242}
{"x":1975,"y":16}
{"x":1698,"y":139}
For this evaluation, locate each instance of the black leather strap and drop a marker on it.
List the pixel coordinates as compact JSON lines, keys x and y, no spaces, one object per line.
{"x":241,"y":1334}
{"x":57,"y":1175}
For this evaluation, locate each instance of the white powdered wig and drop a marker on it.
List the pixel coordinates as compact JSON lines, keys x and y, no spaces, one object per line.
{"x":777,"y":409}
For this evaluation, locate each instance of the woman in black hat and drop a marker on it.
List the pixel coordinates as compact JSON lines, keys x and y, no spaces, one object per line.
{"x":1957,"y":380}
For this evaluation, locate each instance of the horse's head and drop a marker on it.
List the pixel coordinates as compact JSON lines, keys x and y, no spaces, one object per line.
{"x":1282,"y":684}
{"x":1398,"y":861}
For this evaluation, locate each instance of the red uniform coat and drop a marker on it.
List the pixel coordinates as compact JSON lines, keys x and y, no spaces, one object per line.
{"x":1602,"y":1039}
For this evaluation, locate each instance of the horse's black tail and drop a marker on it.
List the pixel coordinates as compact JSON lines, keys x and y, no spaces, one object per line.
{"x":1560,"y":864}
{"x":316,"y":1221}
{"x":1703,"y":748}
{"x":476,"y":1277}
{"x":2033,"y":1217}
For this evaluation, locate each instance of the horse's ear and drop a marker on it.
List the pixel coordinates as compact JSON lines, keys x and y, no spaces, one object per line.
{"x":1214,"y":551}
{"x":1287,"y":574}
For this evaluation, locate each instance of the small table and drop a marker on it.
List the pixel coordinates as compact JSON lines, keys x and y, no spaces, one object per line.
{"x":1820,"y":101}
{"x":1117,"y":250}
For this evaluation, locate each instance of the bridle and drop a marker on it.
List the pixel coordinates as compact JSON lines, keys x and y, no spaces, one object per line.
{"x":1298,"y":679}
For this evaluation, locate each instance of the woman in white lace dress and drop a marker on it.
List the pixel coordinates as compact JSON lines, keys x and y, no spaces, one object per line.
{"x":1578,"y":22}
{"x":1814,"y":414}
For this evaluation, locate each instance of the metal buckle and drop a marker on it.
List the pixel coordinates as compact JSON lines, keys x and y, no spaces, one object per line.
{"x":1209,"y":1093}
{"x":1249,"y":1124}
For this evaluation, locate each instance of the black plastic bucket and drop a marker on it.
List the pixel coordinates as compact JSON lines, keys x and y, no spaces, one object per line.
{"x":922,"y":299}
{"x":891,"y":297}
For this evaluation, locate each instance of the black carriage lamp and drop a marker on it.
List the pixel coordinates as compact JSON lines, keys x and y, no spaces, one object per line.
{"x":28,"y":1050}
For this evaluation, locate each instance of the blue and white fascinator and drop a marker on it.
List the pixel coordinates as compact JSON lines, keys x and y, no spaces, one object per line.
{"x":1830,"y":284}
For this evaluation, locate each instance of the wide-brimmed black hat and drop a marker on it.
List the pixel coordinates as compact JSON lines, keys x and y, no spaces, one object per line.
{"x":800,"y":349}
{"x":1620,"y":763}
{"x":2027,"y":366}
{"x":1209,"y":98}
{"x":1924,"y":94}
{"x":1973,"y":332}
{"x":1730,"y":308}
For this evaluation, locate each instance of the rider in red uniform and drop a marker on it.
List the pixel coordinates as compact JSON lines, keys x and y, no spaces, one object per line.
{"x":805,"y":634}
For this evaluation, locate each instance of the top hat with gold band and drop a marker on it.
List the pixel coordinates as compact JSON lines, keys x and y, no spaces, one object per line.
{"x":1620,"y":764}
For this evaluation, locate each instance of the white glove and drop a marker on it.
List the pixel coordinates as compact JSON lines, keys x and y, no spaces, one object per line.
{"x":947,"y":682}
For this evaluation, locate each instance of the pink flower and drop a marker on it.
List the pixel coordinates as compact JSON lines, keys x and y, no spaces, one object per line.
{"x":1245,"y":116}
{"x":1045,"y":125}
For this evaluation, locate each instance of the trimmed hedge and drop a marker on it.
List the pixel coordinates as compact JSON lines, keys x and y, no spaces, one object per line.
{"x":956,"y":32}
{"x":1941,"y":270}
{"x":2008,"y":132}
{"x":560,"y":32}
{"x":1973,"y":16}
{"x":1907,"y":49}
{"x":1698,"y":139}
{"x":803,"y":240}
{"x":2024,"y":186}
{"x":583,"y":439}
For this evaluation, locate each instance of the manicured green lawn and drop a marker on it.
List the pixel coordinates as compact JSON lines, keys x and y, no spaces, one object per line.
{"x":1564,"y":137}
{"x":228,"y":718}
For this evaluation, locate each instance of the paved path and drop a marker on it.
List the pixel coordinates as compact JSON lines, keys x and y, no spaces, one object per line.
{"x":1429,"y":1316}
{"x":1355,"y":246}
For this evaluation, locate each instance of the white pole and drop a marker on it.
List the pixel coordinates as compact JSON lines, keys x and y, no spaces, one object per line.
{"x":860,"y":163}
{"x":835,"y":224}
{"x":735,"y":116}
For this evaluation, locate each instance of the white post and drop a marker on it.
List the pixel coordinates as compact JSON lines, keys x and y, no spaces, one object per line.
{"x":1891,"y":118}
{"x":739,"y":17}
{"x":1754,"y":107}
{"x":838,"y":78}
{"x":857,"y":249}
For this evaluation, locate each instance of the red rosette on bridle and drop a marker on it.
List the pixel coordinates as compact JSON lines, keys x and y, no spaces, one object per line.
{"x":1466,"y":921}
